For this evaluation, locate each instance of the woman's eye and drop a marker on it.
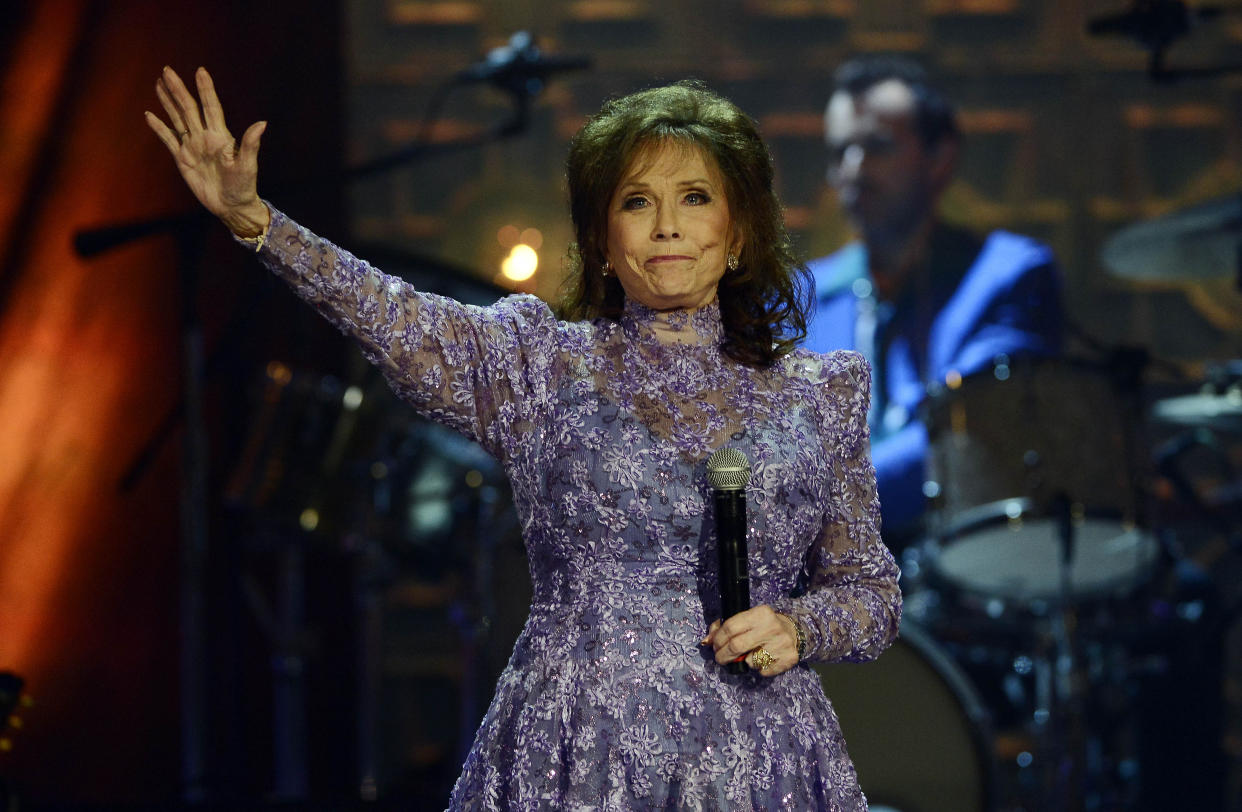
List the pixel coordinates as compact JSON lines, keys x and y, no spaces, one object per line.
{"x":697,"y":199}
{"x":634,"y":203}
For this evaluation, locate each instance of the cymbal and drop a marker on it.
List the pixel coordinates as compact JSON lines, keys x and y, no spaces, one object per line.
{"x":1196,"y":243}
{"x":1207,"y":410}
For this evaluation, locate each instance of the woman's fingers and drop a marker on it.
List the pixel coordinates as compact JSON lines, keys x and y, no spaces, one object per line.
{"x":162,"y":132}
{"x":710,"y":638}
{"x":184,"y":102}
{"x":744,"y":634}
{"x":736,"y":636}
{"x":170,"y":107}
{"x":213,"y":113}
{"x":249,"y":149}
{"x":219,"y":171}
{"x":736,"y":645}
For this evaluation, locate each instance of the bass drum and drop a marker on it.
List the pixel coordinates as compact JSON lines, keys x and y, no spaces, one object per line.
{"x":916,"y":730}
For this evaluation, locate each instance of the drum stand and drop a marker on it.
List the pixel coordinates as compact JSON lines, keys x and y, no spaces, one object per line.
{"x":1079,"y":753}
{"x":1062,"y":707}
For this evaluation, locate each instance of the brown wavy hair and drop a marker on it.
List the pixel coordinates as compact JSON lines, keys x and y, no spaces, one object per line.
{"x":764,"y":303}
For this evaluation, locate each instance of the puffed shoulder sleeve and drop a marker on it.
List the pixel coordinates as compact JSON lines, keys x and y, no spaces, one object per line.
{"x":483,"y":371}
{"x":851,"y":608}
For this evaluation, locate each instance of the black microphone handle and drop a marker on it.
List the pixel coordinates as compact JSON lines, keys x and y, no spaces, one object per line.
{"x":731,"y":549}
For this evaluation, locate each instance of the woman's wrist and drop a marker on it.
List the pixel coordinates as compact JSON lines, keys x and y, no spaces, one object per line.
{"x":248,"y":222}
{"x":799,"y":634}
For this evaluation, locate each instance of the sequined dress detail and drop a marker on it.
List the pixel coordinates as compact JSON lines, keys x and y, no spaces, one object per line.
{"x":603,"y":428}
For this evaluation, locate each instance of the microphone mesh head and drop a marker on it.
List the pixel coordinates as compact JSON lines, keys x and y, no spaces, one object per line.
{"x":728,"y":469}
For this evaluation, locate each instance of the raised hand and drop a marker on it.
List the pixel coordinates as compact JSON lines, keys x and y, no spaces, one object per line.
{"x":221,"y":174}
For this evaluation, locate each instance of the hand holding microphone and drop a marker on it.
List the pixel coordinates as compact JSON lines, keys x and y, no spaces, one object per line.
{"x":758,"y":638}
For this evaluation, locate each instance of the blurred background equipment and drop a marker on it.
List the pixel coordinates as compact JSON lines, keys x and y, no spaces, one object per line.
{"x":1156,"y":25}
{"x":1035,"y":477}
{"x":13,"y":704}
{"x":364,"y":578}
{"x":1198,"y":243}
{"x":943,"y":761}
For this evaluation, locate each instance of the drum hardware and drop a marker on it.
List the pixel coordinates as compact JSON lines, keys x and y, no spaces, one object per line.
{"x":1211,"y":510}
{"x":1046,"y":708}
{"x":1216,"y":406}
{"x":1035,"y":519}
{"x":1067,"y":734}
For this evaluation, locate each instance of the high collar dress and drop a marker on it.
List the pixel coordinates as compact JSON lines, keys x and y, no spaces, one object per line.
{"x":609,"y":702}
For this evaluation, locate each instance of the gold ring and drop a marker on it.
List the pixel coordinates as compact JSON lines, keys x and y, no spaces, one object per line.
{"x":761,"y":659}
{"x":181,"y":136}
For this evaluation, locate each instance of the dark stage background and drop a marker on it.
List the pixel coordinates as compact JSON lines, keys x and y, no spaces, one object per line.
{"x":360,"y":575}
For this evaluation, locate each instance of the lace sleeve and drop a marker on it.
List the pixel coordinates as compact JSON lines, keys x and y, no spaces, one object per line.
{"x":482,"y":371}
{"x":852,"y":605}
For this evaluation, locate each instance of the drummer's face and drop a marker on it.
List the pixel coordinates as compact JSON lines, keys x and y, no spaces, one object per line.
{"x":884,"y":175}
{"x":669,"y":229}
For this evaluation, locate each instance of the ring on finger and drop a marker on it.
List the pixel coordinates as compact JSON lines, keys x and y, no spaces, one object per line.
{"x":182,"y":135}
{"x":760,"y":658}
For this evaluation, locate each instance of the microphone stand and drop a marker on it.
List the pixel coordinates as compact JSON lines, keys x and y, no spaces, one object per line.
{"x":193,"y":524}
{"x":422,"y":147}
{"x":189,"y":232}
{"x":519,"y":69}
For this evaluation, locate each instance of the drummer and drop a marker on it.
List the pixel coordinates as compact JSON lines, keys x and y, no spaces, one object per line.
{"x":924,"y":301}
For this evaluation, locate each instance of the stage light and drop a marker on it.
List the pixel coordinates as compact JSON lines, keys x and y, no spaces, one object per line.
{"x":352,"y":398}
{"x":279,"y":373}
{"x":309,"y":519}
{"x":521,"y":263}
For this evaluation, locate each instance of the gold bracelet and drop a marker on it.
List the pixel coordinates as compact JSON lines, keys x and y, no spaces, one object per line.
{"x":260,"y":238}
{"x":258,"y":241}
{"x":799,"y":632}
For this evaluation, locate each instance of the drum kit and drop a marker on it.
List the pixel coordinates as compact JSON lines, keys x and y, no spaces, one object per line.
{"x":1067,"y":606}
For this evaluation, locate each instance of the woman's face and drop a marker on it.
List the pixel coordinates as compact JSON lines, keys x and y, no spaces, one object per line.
{"x":669,"y":229}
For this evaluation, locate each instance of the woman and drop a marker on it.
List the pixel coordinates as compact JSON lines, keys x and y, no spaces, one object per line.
{"x":685,"y":309}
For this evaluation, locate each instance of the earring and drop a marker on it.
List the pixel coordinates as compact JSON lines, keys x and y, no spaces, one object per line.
{"x":605,"y":268}
{"x":731,"y":262}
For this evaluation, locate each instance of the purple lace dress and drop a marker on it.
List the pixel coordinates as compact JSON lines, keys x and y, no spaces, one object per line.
{"x":608,"y":701}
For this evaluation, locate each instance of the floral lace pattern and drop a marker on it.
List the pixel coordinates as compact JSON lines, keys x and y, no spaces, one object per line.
{"x":603,"y":428}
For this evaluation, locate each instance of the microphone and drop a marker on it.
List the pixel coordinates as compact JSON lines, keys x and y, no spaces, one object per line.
{"x":728,"y":472}
{"x":520,"y":67}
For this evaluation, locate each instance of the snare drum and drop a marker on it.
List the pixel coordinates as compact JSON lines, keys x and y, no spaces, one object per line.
{"x":1029,"y":461}
{"x":915,"y":728}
